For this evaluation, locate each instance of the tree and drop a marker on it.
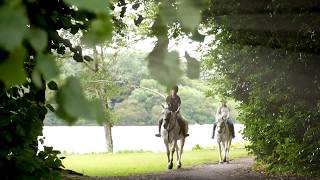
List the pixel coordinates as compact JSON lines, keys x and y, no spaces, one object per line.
{"x":196,"y":108}
{"x":130,"y":113}
{"x":28,"y":33}
{"x":266,"y":57}
{"x":99,"y":83}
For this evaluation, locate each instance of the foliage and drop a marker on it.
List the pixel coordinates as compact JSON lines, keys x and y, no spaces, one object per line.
{"x":28,"y":33}
{"x":22,"y":112}
{"x":173,"y":18}
{"x":197,"y":147}
{"x":130,"y":67}
{"x":272,"y":68}
{"x":99,"y":83}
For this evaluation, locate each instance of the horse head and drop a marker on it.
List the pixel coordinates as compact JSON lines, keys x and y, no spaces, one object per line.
{"x":166,"y":118}
{"x":167,"y":115}
{"x":221,"y":124}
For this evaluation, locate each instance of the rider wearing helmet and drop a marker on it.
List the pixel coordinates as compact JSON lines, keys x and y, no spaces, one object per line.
{"x":174,"y":102}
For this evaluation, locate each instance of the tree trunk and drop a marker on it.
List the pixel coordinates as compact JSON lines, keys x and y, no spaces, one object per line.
{"x":108,"y":135}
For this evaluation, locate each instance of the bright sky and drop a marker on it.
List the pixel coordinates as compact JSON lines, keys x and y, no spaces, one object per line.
{"x":181,"y":46}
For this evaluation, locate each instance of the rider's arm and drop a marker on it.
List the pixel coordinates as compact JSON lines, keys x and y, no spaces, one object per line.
{"x":168,"y":101}
{"x":179,"y":104}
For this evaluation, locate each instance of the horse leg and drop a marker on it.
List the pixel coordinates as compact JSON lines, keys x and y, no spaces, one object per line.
{"x":177,"y":150}
{"x":219,"y":149}
{"x":181,"y":144}
{"x":168,"y":152}
{"x":224,"y":152}
{"x":224,"y":146}
{"x":178,"y":156}
{"x":172,"y":148}
{"x":228,"y":150}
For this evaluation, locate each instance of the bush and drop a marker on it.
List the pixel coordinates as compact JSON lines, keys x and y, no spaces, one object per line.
{"x":21,"y":123}
{"x":197,"y":147}
{"x":276,"y":81}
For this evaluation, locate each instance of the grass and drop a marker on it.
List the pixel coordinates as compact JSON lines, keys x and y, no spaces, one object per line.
{"x":132,"y":163}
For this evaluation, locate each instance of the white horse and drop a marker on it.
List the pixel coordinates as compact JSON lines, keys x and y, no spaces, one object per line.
{"x":224,"y":138}
{"x":172,"y":137}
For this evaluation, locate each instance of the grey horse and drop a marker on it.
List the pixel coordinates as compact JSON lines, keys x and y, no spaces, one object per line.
{"x":224,"y":138}
{"x":172,"y":137}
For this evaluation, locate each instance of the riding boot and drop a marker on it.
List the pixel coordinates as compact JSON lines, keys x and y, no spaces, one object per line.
{"x":159,"y":133}
{"x":213,"y":130}
{"x":232,"y":130}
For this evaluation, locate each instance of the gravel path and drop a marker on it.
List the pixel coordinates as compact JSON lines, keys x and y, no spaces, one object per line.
{"x":239,"y":169}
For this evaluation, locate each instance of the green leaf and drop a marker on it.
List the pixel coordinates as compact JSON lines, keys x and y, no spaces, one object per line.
{"x":70,"y":97}
{"x":47,"y":66}
{"x":36,"y":78}
{"x":73,"y":104}
{"x":52,"y":85}
{"x":189,"y":15}
{"x":96,"y":6}
{"x":12,"y":70}
{"x":100,"y":30}
{"x":96,"y":111}
{"x":60,"y":112}
{"x":168,"y":12}
{"x":193,"y":67}
{"x":159,"y":28}
{"x":19,"y":130}
{"x":13,"y":27}
{"x":48,"y":149}
{"x":38,"y":38}
{"x":165,"y":70}
{"x":201,"y":4}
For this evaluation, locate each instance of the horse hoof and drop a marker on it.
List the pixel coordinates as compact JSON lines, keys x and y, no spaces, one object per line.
{"x":227,"y":162}
{"x":170,"y":166}
{"x":220,"y":162}
{"x":178,"y":166}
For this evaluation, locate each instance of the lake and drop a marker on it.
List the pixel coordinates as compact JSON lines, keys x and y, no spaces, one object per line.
{"x":89,"y":139}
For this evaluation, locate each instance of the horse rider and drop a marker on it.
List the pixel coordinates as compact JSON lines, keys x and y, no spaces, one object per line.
{"x":223,"y":111}
{"x":174,"y":102}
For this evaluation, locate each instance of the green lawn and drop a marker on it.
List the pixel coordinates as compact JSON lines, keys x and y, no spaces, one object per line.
{"x":124,"y":164}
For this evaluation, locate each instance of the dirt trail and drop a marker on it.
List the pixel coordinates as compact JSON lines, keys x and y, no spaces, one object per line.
{"x":239,"y":169}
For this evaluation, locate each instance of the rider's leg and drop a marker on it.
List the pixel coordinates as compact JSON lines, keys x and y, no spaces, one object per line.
{"x":214,"y":130}
{"x":231,"y":127}
{"x":182,"y":125}
{"x":160,"y":123}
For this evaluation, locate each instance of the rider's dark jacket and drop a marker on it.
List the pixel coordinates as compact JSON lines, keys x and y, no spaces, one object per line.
{"x":173,"y":102}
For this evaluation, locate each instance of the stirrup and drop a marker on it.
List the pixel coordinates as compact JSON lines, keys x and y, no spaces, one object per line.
{"x":158,"y":135}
